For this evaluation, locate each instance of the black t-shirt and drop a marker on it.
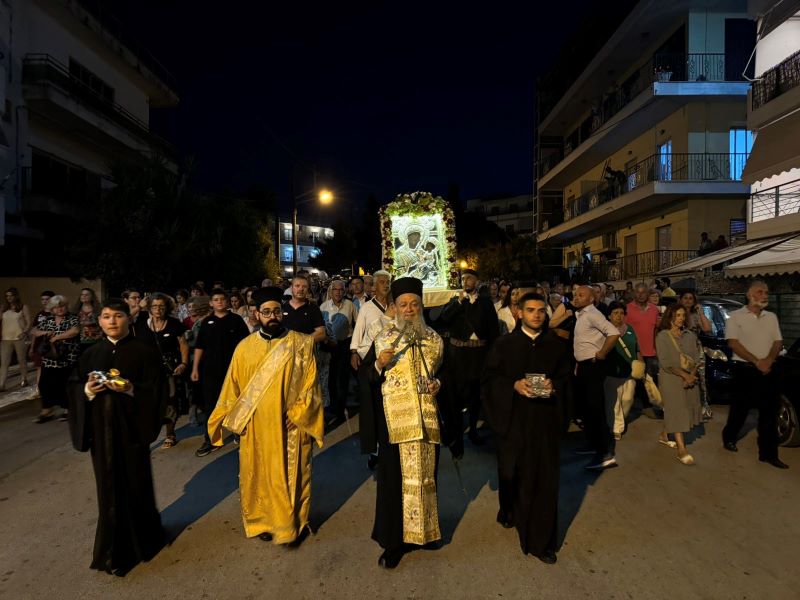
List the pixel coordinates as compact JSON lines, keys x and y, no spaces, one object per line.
{"x":165,"y":340}
{"x":218,"y":338}
{"x":304,"y":319}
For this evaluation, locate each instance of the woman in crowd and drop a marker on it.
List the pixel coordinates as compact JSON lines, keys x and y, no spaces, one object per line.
{"x":508,"y":312}
{"x":38,"y":322}
{"x":554,"y":301}
{"x":655,"y":298}
{"x":181,"y":306}
{"x":165,"y":334}
{"x":16,"y":322}
{"x":59,"y":347}
{"x":676,"y":348}
{"x":697,"y":323}
{"x":618,"y":386}
{"x":87,"y":309}
{"x":238,"y":306}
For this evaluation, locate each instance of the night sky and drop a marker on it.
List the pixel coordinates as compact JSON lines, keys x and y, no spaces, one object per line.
{"x":381,"y":98}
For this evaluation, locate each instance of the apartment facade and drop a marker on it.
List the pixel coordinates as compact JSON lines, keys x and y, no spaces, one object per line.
{"x":75,"y":96}
{"x":308,"y":238}
{"x":646,"y":149}
{"x":512,"y":214}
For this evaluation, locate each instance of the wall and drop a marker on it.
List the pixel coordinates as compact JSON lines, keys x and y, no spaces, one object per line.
{"x":30,"y":288}
{"x":68,"y":148}
{"x":713,"y":215}
{"x":781,"y":43}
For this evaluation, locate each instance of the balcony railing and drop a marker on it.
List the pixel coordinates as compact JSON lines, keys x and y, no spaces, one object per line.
{"x":638,"y":266}
{"x":659,"y":167}
{"x":43,"y":68}
{"x":661,"y":67}
{"x":778,"y":201}
{"x":778,"y":80}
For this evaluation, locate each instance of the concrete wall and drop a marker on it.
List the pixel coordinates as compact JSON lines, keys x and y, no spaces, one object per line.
{"x":781,"y":43}
{"x":713,"y":215}
{"x":68,"y":148}
{"x":30,"y":288}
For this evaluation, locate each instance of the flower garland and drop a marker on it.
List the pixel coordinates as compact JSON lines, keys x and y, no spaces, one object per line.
{"x":420,"y":204}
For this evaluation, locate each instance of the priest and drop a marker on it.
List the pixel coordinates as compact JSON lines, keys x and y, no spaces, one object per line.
{"x":402,"y":363}
{"x":116,"y":415}
{"x":272,"y":400}
{"x":525,"y":415}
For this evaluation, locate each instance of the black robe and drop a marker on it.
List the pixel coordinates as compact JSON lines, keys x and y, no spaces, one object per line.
{"x":529,"y":434}
{"x":118,"y":429}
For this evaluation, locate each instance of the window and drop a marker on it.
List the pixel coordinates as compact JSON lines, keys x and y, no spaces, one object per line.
{"x":287,"y":234}
{"x":90,"y":80}
{"x":314,"y":237}
{"x":665,"y":161}
{"x":738,"y":229}
{"x":740,"y":144}
{"x":287,"y":254}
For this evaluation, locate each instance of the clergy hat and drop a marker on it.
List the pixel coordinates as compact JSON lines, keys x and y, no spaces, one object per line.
{"x":267,"y":294}
{"x":406,"y":285}
{"x":472,"y":272}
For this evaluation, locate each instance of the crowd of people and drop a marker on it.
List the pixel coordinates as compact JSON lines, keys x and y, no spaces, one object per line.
{"x":279,"y":364}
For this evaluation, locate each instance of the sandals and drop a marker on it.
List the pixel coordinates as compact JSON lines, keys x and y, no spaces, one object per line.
{"x":169,"y":442}
{"x":668,"y":443}
{"x":686,"y":459}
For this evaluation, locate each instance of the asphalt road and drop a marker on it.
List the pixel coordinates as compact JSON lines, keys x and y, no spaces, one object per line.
{"x":652,"y":528}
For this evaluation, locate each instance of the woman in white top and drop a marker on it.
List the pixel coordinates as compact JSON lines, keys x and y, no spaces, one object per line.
{"x":16,"y":323}
{"x":508,"y":313}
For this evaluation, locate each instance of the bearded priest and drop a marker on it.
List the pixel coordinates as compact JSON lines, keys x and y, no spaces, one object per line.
{"x":272,"y":400}
{"x":402,"y":362}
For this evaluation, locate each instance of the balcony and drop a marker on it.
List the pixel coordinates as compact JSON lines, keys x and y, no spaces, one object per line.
{"x":52,"y":89}
{"x":637,"y":266}
{"x":660,"y":178}
{"x":649,"y":95}
{"x":777,"y":81}
{"x":774,"y":211}
{"x":54,"y":187}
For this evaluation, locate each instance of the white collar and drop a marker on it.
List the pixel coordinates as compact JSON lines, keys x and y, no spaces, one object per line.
{"x":533,"y":336}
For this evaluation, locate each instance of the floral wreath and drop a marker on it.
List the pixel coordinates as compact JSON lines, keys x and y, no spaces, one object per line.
{"x":420,"y":204}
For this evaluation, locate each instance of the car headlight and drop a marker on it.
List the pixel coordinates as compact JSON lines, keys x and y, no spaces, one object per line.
{"x":715,"y":354}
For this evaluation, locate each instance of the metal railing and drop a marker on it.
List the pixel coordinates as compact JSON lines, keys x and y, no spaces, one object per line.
{"x":71,"y":185}
{"x":638,"y":266}
{"x":778,"y":80}
{"x":43,"y":68}
{"x":775,"y":202}
{"x":659,"y":167}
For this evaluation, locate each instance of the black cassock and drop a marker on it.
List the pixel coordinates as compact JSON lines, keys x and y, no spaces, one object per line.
{"x":528,"y":432}
{"x":118,"y":430}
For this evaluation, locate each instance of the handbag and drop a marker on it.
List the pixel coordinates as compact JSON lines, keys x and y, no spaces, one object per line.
{"x":687,"y":362}
{"x":652,"y":390}
{"x":637,"y":366}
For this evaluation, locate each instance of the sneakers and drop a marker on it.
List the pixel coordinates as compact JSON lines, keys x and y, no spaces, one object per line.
{"x":600,"y":462}
{"x":205,"y":450}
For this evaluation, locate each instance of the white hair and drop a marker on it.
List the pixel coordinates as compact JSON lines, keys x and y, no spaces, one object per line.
{"x":382,"y":273}
{"x":55,"y":301}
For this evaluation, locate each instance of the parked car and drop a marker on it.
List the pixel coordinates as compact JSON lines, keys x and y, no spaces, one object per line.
{"x":718,"y":372}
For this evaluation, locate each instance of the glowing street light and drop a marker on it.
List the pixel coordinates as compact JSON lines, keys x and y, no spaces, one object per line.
{"x":325,"y":196}
{"x":463,"y":264}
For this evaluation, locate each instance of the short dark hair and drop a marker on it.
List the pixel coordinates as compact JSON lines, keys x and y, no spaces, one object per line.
{"x":665,"y":281}
{"x":130,"y":291}
{"x":612,"y":306}
{"x":182,"y":292}
{"x":116,"y":304}
{"x":219,"y":292}
{"x":529,"y":297}
{"x":49,"y":293}
{"x":358,"y":277}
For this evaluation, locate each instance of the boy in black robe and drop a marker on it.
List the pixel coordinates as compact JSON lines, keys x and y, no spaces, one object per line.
{"x":528,"y":426}
{"x":117,"y":421}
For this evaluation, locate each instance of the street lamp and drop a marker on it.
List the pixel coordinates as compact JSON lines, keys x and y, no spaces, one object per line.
{"x":324,"y":196}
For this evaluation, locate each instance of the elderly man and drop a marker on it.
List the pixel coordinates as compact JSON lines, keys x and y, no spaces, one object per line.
{"x":594,"y":338}
{"x":643,"y":316}
{"x":755,"y":338}
{"x":403,"y":361}
{"x":340,"y":316}
{"x":271,"y":399}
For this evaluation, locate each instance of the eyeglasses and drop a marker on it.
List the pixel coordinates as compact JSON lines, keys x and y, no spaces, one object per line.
{"x":271,"y":313}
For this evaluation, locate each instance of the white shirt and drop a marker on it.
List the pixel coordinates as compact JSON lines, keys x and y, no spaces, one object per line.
{"x":339,"y":320}
{"x":757,"y":333}
{"x":533,"y":336}
{"x":591,"y":331}
{"x":504,"y":315}
{"x":367,"y":315}
{"x":498,"y":305}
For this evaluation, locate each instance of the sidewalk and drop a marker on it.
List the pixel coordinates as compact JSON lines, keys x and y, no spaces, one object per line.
{"x":13,"y":392}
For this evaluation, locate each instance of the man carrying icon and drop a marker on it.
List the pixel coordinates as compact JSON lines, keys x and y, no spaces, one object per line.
{"x":523,"y":384}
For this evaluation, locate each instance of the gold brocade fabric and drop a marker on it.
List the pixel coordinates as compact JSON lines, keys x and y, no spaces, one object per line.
{"x":413,"y":424}
{"x":269,"y":381}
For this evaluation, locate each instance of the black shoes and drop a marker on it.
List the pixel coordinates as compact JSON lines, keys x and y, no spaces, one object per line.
{"x":504,"y":519}
{"x":549,"y":557}
{"x":372,"y":462}
{"x":730,"y":446}
{"x":775,"y":462}
{"x":206,"y":449}
{"x":265,"y":537}
{"x":390,"y":559}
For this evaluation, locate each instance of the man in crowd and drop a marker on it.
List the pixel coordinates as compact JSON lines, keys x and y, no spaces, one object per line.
{"x":599,"y":290}
{"x":595,"y":337}
{"x":755,"y":338}
{"x":527,"y":421}
{"x":664,"y":287}
{"x":117,"y":418}
{"x":360,"y":297}
{"x":272,"y":400}
{"x":403,"y":362}
{"x":472,"y":323}
{"x":494,"y":295}
{"x":369,"y":285}
{"x":299,"y":314}
{"x":217,"y":338}
{"x":643,"y":316}
{"x":339,"y":314}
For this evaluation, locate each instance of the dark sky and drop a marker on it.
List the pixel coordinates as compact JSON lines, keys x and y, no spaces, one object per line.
{"x":383,"y":98}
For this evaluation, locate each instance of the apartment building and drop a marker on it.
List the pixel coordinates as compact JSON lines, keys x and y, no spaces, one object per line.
{"x":308,"y":238}
{"x":76,"y":95}
{"x":512,"y":214}
{"x":646,"y":148}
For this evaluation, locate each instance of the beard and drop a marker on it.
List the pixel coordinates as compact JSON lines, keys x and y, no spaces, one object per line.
{"x":763,"y":304}
{"x":414,"y":327}
{"x":272,"y":327}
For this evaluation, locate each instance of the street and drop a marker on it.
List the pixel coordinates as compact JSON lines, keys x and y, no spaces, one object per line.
{"x":652,"y":528}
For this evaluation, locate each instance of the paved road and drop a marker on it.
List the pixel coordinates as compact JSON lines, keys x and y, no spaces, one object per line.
{"x":653,"y":528}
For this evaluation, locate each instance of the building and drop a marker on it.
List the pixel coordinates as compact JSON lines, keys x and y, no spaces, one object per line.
{"x":512,"y":214}
{"x":646,"y":147}
{"x":75,"y":96}
{"x":308,"y":238}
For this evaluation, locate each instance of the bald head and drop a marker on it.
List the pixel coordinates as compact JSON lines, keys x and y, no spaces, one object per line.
{"x":583,"y":296}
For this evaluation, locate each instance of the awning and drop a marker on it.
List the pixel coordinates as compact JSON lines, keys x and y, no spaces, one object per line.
{"x":775,"y":149}
{"x":720,"y":256}
{"x":780,"y":259}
